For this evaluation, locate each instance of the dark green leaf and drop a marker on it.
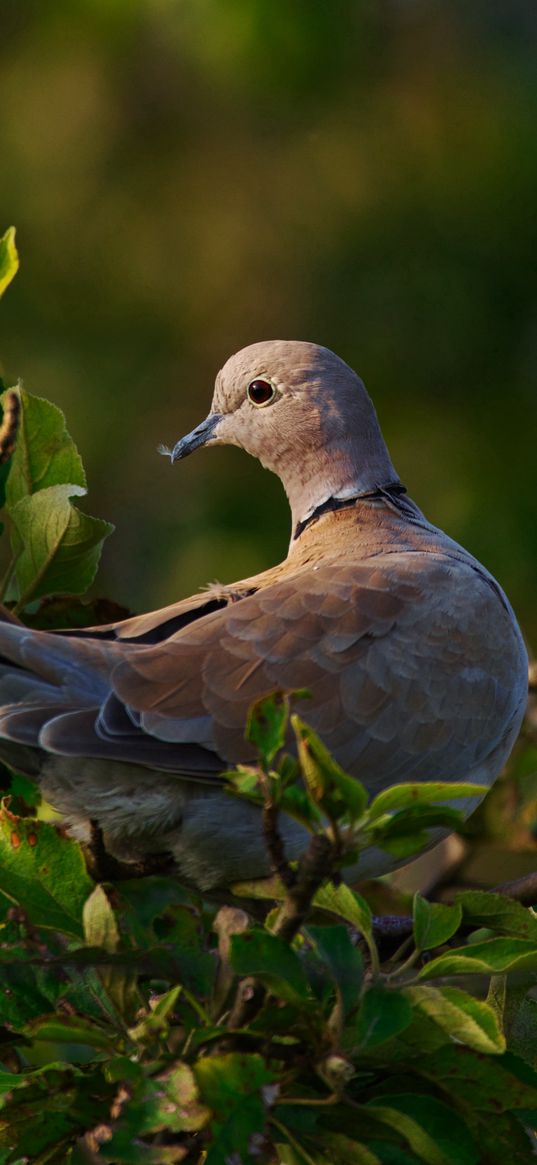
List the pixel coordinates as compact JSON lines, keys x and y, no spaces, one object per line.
{"x":435,"y":1132}
{"x":491,"y":1084}
{"x":267,"y":725}
{"x":343,"y":960}
{"x":383,"y":1014}
{"x":260,"y":953}
{"x":232,"y":1087}
{"x":70,"y":1030}
{"x":498,"y":912}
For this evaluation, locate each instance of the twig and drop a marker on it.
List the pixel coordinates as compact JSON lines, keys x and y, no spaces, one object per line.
{"x":313,"y":869}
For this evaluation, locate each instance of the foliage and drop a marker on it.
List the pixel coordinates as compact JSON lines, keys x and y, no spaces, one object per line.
{"x":142,"y":1024}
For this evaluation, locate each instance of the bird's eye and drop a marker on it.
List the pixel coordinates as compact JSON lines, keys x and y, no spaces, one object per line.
{"x":260,"y":392}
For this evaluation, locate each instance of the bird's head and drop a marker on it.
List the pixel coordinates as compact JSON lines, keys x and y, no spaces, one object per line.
{"x":304,"y":414}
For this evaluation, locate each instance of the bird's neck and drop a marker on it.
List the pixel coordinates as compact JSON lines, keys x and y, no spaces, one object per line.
{"x":347,"y":471}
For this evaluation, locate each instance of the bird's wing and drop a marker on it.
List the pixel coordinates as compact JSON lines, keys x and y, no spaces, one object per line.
{"x":155,"y":626}
{"x":409,"y":658}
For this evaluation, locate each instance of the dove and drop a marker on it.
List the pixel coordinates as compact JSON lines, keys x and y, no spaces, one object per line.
{"x":409,"y":647}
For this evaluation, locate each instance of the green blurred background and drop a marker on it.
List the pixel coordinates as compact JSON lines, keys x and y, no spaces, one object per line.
{"x":189,"y":176}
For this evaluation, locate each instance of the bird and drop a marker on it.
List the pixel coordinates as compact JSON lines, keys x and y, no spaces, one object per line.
{"x":410,"y":650}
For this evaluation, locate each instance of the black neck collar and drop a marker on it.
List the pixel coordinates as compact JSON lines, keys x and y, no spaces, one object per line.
{"x":388,"y":492}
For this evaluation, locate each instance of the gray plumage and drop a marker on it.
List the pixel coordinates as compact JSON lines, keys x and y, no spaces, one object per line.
{"x":410,"y":648}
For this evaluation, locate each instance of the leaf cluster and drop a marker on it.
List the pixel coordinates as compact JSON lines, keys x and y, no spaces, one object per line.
{"x":125,"y":1035}
{"x":139,"y":1023}
{"x":54,"y":546}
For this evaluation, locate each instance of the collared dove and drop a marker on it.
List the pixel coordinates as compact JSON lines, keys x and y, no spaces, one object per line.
{"x":411,"y":651}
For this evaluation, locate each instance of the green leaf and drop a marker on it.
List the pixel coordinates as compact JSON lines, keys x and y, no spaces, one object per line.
{"x":491,"y":957}
{"x":101,"y":930}
{"x":468,"y":1020}
{"x":266,"y":725}
{"x":57,"y":546}
{"x":338,"y":794}
{"x":100,"y":925}
{"x":348,"y":904}
{"x":9,"y":259}
{"x":498,"y":912}
{"x":434,"y":923}
{"x":434,"y":1132}
{"x":70,"y":1030}
{"x":43,"y":872}
{"x":344,"y":962}
{"x":383,"y":1014}
{"x":45,"y":454}
{"x":491,"y":1084}
{"x":414,"y":821}
{"x":425,"y":793}
{"x":260,"y":953}
{"x":231,"y":1086}
{"x":168,"y":1103}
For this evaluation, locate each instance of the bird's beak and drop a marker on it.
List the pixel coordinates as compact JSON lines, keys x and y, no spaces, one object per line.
{"x":199,"y":436}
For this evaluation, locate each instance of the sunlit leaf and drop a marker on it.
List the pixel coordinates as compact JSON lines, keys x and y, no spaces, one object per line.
{"x":490,"y":957}
{"x":464,"y":1018}
{"x":43,"y":872}
{"x":337,"y":793}
{"x":45,"y":454}
{"x":9,"y":259}
{"x":57,"y":546}
{"x":425,"y":793}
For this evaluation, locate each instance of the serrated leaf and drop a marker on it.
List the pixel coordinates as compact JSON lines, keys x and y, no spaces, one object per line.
{"x":231,"y":1086}
{"x":494,"y":956}
{"x":45,"y":454}
{"x":464,"y":1018}
{"x":338,"y":794}
{"x":384,"y":1013}
{"x":349,"y":904}
{"x":498,"y":912}
{"x":425,"y":793}
{"x":265,"y":955}
{"x":43,"y":872}
{"x":434,"y":923}
{"x":57,"y":546}
{"x":9,"y":259}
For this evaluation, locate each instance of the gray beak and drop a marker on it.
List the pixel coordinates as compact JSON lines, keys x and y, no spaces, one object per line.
{"x":194,"y":440}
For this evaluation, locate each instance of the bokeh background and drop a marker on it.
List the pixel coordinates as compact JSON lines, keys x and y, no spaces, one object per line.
{"x":189,"y":176}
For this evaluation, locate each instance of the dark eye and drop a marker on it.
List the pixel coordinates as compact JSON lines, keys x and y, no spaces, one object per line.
{"x":260,"y":392}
